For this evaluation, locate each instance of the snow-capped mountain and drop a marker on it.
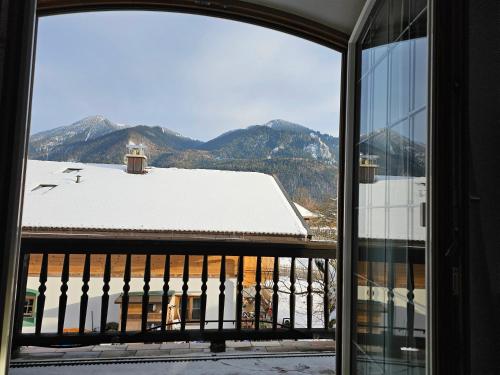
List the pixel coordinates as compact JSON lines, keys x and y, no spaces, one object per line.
{"x":84,"y":130}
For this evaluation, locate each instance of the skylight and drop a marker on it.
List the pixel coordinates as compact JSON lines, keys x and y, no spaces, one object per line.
{"x":44,"y":188}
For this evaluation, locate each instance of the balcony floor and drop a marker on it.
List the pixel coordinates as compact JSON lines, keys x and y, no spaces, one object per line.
{"x":270,"y":357}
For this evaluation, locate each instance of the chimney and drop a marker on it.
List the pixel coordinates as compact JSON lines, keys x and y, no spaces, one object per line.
{"x":78,"y":179}
{"x":136,"y":159}
{"x":367,"y":169}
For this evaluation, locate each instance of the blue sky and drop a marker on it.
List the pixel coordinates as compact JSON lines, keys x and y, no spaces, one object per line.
{"x":199,"y":76}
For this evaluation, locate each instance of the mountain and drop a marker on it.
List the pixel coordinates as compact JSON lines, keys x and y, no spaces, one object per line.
{"x":110,"y":148}
{"x":304,"y":160}
{"x":397,"y":154}
{"x":275,"y":139}
{"x":89,"y":128}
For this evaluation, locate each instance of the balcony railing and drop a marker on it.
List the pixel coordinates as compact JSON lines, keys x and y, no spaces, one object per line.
{"x":234,"y":329}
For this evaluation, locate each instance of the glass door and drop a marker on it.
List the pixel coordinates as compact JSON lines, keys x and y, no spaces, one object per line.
{"x":388,"y":311}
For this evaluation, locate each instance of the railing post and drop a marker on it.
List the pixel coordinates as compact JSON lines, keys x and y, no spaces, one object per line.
{"x":203,"y":299}
{"x":219,"y":345}
{"x":40,"y":303}
{"x":184,"y":303}
{"x":410,"y":305}
{"x":258,"y":277}
{"x":292,"y":294}
{"x":239,"y":291}
{"x":63,"y":298}
{"x":145,"y":295}
{"x":222,"y":287}
{"x":22,"y":282}
{"x":164,"y":298}
{"x":309,"y":293}
{"x":276,"y":275}
{"x":105,"y":294}
{"x":326,"y":299}
{"x":84,"y":298}
{"x":125,"y":298}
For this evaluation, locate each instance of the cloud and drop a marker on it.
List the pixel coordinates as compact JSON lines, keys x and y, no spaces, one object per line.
{"x":197,"y":75}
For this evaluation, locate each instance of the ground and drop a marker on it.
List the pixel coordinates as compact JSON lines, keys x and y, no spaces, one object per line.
{"x":195,"y":358}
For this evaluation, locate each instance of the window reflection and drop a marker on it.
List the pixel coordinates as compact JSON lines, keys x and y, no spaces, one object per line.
{"x":389,"y":269}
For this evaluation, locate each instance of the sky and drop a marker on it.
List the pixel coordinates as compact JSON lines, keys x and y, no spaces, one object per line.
{"x":197,"y":75}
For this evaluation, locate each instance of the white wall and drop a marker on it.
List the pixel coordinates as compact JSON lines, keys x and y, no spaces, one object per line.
{"x":116,"y":287}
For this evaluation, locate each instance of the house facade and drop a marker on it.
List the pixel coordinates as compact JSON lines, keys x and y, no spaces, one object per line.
{"x":64,"y":199}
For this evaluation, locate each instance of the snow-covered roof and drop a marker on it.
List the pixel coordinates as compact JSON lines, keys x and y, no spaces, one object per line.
{"x":304,"y":212}
{"x":390,"y":208}
{"x":163,"y":200}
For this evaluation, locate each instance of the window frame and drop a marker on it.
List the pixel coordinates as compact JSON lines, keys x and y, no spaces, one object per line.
{"x":20,"y":86}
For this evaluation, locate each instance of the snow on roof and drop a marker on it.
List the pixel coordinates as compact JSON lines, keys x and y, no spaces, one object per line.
{"x":164,"y":199}
{"x":306,"y":214}
{"x":397,"y":199}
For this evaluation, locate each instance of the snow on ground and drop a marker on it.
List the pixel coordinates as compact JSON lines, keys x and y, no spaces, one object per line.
{"x":323,"y":365}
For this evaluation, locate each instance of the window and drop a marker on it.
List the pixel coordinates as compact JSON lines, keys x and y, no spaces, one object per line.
{"x":44,"y":188}
{"x":389,"y":239}
{"x":195,"y":308}
{"x":29,"y":304}
{"x":152,"y":308}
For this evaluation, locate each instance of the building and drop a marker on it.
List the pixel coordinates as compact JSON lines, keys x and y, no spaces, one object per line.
{"x":108,"y":201}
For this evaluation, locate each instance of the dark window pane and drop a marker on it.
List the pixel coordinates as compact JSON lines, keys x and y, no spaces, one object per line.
{"x":399,"y":18}
{"x":416,"y":7}
{"x":195,"y":315}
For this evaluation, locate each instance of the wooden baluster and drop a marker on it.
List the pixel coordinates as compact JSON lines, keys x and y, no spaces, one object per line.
{"x":276,"y":275}
{"x":326,"y":299}
{"x":222,"y":287}
{"x":391,"y":279}
{"x":84,"y":300}
{"x":184,"y":303}
{"x":258,"y":278}
{"x":292,"y":294}
{"x":164,"y":298}
{"x":203,"y":299}
{"x":145,"y":294}
{"x":22,"y":281}
{"x":239,"y":291}
{"x":63,"y":298}
{"x":40,"y":303}
{"x":105,"y":293}
{"x":309,"y":293}
{"x":125,"y":297}
{"x":410,"y":306}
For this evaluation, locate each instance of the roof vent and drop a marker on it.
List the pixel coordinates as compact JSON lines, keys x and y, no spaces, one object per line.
{"x":136,"y":159}
{"x":78,"y":179}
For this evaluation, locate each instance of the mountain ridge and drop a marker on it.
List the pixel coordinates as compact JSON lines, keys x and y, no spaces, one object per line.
{"x":303,"y":159}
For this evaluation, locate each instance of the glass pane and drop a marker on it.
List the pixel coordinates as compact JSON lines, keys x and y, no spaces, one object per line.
{"x":400,"y":80}
{"x":379,"y":95}
{"x":389,"y":272}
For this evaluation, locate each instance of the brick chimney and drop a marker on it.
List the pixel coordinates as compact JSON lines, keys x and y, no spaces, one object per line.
{"x":136,"y":159}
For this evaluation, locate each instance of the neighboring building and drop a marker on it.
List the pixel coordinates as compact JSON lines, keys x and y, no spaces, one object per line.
{"x":65,"y":199}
